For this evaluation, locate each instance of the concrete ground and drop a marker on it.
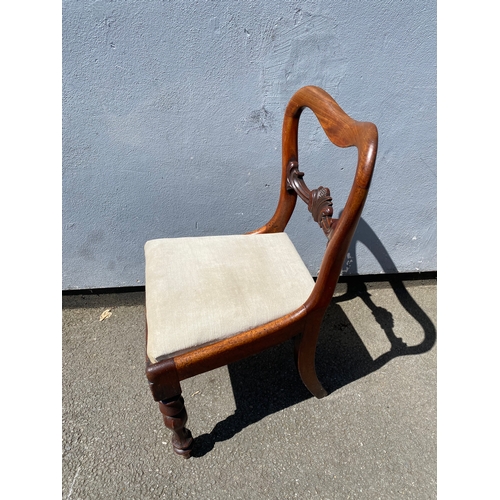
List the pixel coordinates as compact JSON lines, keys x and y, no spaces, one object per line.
{"x":259,"y":433}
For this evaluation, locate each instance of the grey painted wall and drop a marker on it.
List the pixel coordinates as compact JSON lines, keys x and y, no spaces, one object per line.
{"x":172,"y":115}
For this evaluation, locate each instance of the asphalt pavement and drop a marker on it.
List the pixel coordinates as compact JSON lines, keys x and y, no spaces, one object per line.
{"x":258,"y":432}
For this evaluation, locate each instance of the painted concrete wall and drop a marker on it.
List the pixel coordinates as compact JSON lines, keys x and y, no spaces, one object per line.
{"x":172,"y":114}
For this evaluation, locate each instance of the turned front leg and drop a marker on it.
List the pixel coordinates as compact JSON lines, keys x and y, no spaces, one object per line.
{"x":175,"y":418}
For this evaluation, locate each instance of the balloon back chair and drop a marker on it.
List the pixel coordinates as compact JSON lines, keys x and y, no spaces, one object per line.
{"x":214,"y":300}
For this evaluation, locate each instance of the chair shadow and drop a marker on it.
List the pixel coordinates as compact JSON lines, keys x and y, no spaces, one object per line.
{"x":268,"y":382}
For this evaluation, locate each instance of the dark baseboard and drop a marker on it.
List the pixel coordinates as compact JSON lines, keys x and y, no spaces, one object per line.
{"x":102,"y":291}
{"x":369,"y":278}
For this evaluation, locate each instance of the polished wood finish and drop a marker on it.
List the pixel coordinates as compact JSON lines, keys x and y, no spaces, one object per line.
{"x":319,"y":201}
{"x":302,"y":324}
{"x":175,"y":418}
{"x":305,"y":353}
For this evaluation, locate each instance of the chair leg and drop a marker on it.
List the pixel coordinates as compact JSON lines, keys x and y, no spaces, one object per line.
{"x":305,"y":353}
{"x":175,"y":418}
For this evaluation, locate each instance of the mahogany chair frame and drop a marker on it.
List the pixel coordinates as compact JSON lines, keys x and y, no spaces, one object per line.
{"x":303,"y":324}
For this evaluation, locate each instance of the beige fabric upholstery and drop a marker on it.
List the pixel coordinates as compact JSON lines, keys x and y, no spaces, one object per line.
{"x":199,"y":290}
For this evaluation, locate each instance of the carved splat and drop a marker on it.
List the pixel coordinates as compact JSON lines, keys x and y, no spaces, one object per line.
{"x":319,"y":201}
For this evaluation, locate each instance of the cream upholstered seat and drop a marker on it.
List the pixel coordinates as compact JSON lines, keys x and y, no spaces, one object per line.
{"x":203,"y":289}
